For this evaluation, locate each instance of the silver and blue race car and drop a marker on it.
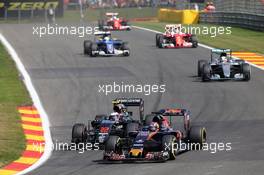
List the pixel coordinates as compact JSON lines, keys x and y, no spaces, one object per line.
{"x":223,"y":67}
{"x":105,"y":45}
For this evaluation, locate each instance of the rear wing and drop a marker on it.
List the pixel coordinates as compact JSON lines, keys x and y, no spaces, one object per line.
{"x":172,"y":112}
{"x":109,"y":14}
{"x":134,"y":102}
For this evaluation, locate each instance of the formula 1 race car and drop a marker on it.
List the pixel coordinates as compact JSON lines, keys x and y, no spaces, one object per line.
{"x":105,"y":45}
{"x":104,"y":126}
{"x":159,"y":143}
{"x":113,"y":23}
{"x":174,"y":38}
{"x":223,"y":67}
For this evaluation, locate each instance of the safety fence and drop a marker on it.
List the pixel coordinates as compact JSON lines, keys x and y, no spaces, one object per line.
{"x":239,"y":19}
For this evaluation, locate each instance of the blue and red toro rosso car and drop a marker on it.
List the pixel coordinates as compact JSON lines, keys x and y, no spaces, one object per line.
{"x":156,"y":140}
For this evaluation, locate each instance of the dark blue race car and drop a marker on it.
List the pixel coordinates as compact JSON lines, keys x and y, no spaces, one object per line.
{"x":105,"y":45}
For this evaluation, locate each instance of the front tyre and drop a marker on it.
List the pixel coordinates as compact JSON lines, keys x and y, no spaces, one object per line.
{"x":201,"y":63}
{"x":168,"y":145}
{"x":246,"y":71}
{"x":111,"y":144}
{"x":87,"y":47}
{"x":206,"y":73}
{"x":79,"y":133}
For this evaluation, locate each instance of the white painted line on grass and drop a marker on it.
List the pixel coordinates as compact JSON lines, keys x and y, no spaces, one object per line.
{"x":36,"y":100}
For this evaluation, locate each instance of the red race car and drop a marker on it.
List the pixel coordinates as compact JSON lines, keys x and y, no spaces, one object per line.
{"x":113,"y":22}
{"x":174,"y":38}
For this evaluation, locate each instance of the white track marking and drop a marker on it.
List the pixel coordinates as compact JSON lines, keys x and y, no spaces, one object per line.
{"x":36,"y":100}
{"x":201,"y":45}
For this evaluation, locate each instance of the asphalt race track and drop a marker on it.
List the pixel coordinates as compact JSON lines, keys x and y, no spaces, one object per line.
{"x":67,"y":83}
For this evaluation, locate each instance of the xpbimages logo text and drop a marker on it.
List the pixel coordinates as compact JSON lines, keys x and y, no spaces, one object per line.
{"x":55,"y":29}
{"x":145,"y":89}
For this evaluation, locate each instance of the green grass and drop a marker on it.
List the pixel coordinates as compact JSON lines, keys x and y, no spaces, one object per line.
{"x":239,"y":40}
{"x":12,"y":94}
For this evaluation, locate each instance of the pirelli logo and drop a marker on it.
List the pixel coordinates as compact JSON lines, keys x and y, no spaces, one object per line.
{"x":36,"y":5}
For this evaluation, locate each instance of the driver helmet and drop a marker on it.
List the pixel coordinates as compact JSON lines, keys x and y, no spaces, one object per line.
{"x":114,"y":116}
{"x":107,"y":38}
{"x":154,"y":126}
{"x":224,"y":59}
{"x":120,"y":108}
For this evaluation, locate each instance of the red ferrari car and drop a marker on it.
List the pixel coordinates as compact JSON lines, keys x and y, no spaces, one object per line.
{"x":113,"y":22}
{"x":174,"y":38}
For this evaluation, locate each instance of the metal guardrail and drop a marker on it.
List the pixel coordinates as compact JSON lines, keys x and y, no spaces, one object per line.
{"x":39,"y":15}
{"x":245,"y":20}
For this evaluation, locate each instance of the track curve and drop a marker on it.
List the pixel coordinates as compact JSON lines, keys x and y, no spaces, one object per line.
{"x":67,"y":83}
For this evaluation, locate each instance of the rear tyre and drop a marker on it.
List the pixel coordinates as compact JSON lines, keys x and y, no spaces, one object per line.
{"x":206,"y":73}
{"x":87,"y":47}
{"x":200,"y":67}
{"x":197,"y":135}
{"x":168,"y":145}
{"x":194,"y":41}
{"x":111,"y":144}
{"x":246,"y":71}
{"x":79,"y":133}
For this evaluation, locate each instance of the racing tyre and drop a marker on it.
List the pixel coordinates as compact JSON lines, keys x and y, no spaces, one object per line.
{"x":194,"y":41}
{"x":125,"y":47}
{"x":148,"y":119}
{"x":111,"y":143}
{"x":168,"y":145}
{"x":157,"y":39}
{"x":93,"y":48}
{"x":160,"y":41}
{"x":197,"y":134}
{"x":206,"y":73}
{"x":200,"y":67}
{"x":79,"y":132}
{"x":246,"y":71}
{"x":87,"y":47}
{"x":132,"y":128}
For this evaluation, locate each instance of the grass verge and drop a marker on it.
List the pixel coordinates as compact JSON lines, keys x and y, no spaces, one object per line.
{"x":12,"y":94}
{"x":239,"y":40}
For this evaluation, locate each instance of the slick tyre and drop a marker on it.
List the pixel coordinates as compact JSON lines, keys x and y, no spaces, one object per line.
{"x":125,"y":47}
{"x":111,"y":144}
{"x":168,"y":145}
{"x":157,"y":39}
{"x":194,"y":41}
{"x":79,"y":133}
{"x":200,"y":67}
{"x":246,"y":71}
{"x":94,"y":47}
{"x":206,"y":73}
{"x":87,"y":47}
{"x":197,"y":135}
{"x":160,"y":41}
